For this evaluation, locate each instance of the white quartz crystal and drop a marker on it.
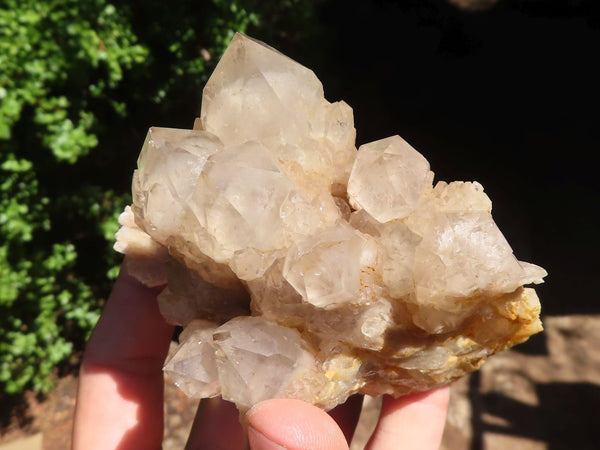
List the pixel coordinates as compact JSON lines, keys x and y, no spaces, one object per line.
{"x":193,"y":367}
{"x":300,"y":267}
{"x":258,"y":359}
{"x":388,"y":179}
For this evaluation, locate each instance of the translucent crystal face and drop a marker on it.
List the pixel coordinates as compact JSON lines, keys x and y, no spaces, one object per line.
{"x":300,"y":267}
{"x":388,"y":179}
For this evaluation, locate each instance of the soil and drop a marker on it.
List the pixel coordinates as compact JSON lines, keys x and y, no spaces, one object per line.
{"x":542,"y":395}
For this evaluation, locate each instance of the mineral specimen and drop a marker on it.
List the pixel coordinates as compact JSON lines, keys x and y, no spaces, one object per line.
{"x":300,"y":267}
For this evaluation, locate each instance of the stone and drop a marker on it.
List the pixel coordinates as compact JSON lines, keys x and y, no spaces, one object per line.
{"x":301,"y":267}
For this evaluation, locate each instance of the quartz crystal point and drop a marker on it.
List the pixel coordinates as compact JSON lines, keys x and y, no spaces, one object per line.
{"x":300,"y":267}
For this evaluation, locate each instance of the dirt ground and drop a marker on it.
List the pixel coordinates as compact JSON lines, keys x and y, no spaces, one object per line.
{"x":542,"y":395}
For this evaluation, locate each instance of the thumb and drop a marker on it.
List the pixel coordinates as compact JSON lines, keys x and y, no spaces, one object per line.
{"x":293,"y":425}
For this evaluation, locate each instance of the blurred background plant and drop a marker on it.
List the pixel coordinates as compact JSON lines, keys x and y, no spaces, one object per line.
{"x":80,"y":82}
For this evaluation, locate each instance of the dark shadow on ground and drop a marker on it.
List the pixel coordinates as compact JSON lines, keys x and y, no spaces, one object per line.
{"x":13,"y":412}
{"x":566,"y":417}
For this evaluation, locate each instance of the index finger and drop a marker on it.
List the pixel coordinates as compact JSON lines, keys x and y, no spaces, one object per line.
{"x":120,"y":397}
{"x":414,"y":421}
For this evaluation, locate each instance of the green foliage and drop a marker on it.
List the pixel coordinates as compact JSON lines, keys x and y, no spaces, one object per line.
{"x":57,"y":58}
{"x":55,"y":47}
{"x":80,"y":81}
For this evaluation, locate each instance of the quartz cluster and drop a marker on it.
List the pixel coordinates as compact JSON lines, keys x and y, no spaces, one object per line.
{"x":300,"y":267}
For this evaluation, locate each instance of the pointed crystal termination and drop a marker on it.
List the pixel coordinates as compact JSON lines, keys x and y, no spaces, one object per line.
{"x":300,"y":267}
{"x":193,"y":367}
{"x":388,"y":179}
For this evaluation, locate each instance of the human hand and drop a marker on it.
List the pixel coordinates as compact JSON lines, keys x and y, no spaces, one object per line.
{"x":120,"y":398}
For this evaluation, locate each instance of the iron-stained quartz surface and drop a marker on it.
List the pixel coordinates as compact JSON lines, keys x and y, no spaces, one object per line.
{"x":300,"y":267}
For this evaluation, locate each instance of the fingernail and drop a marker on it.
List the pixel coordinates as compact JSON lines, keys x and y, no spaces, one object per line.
{"x":259,"y":441}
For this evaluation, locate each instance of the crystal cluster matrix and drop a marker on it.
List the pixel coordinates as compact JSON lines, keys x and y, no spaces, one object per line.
{"x":301,"y":267}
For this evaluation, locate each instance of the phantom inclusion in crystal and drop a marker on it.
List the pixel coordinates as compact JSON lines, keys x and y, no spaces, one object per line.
{"x":301,"y":267}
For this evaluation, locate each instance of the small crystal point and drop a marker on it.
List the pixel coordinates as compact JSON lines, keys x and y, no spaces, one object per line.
{"x":388,"y":179}
{"x":258,"y":359}
{"x":193,"y":366}
{"x":302,"y":268}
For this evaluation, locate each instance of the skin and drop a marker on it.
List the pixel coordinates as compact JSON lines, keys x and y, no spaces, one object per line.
{"x":120,"y":398}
